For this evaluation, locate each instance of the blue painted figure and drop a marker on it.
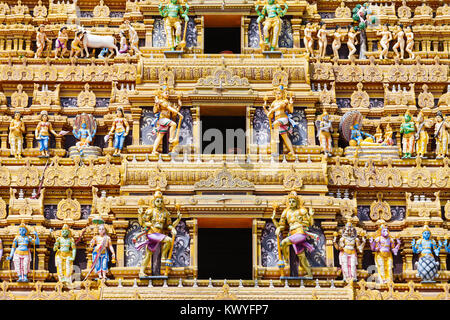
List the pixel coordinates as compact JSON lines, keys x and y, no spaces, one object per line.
{"x":427,"y":266}
{"x":103,"y":53}
{"x":20,"y":253}
{"x":42,"y":133}
{"x":120,"y":129}
{"x":100,"y":258}
{"x":357,"y":137}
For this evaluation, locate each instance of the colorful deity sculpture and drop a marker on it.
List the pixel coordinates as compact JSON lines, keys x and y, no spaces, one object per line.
{"x":77,"y":45}
{"x":347,"y":246}
{"x":100,"y":257}
{"x":123,"y":43}
{"x":65,"y":255}
{"x":20,"y":252}
{"x":84,"y":129}
{"x":41,"y":40}
{"x":165,"y":111}
{"x":16,"y":131}
{"x":61,"y":42}
{"x":427,"y":267}
{"x":386,"y":37}
{"x":172,"y":13}
{"x":422,"y":136}
{"x":407,"y":128}
{"x":42,"y":133}
{"x":298,"y":219}
{"x":400,"y":36}
{"x":120,"y":128}
{"x":324,"y":131}
{"x":282,"y":108}
{"x":388,"y":136}
{"x":383,"y":246}
{"x":357,"y":137}
{"x":157,"y":226}
{"x":272,"y":14}
{"x":441,"y":135}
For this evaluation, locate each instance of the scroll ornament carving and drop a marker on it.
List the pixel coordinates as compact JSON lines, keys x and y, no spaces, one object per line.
{"x":157,"y":179}
{"x":223,"y":179}
{"x":373,"y":73}
{"x":223,"y":77}
{"x":397,"y":72}
{"x":359,"y":98}
{"x":57,"y":175}
{"x":26,"y":206}
{"x":328,"y":97}
{"x":5,"y":177}
{"x":342,"y":11}
{"x":404,"y":11}
{"x":40,"y":11}
{"x":101,"y":11}
{"x":419,"y":177}
{"x":380,"y":209}
{"x":3,"y":212}
{"x":438,"y":72}
{"x":28,"y":175}
{"x":348,"y":207}
{"x":68,"y":208}
{"x":293,"y":180}
{"x":107,"y":174}
{"x":423,"y":209}
{"x":86,"y":98}
{"x":322,"y":71}
{"x":349,"y":73}
{"x":443,"y":175}
{"x":425,"y":99}
{"x":280,"y":77}
{"x":340,"y":175}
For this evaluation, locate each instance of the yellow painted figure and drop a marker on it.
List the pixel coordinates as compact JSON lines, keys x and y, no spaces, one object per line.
{"x":422,"y":136}
{"x":388,"y":133}
{"x":324,"y":130}
{"x":16,"y":131}
{"x":298,"y":219}
{"x":441,"y":134}
{"x":157,"y":224}
{"x":65,"y":255}
{"x":172,"y":13}
{"x":281,"y":107}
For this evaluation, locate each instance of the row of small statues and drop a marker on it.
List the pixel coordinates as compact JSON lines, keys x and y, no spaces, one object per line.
{"x":159,"y":230}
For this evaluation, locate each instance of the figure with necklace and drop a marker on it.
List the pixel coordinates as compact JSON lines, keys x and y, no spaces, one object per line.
{"x":120,"y":128}
{"x":100,"y":257}
{"x":65,"y":255}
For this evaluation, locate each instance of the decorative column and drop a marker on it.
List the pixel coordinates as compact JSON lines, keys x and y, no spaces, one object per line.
{"x":149,"y":32}
{"x":193,"y":234}
{"x":136,"y":116}
{"x":257,"y":228}
{"x":40,"y":252}
{"x":245,"y":22}
{"x":296,"y":27}
{"x":310,"y":117}
{"x":328,"y":228}
{"x":120,"y":226}
{"x":4,"y":139}
{"x":196,"y":129}
{"x":200,"y":25}
{"x":29,"y":137}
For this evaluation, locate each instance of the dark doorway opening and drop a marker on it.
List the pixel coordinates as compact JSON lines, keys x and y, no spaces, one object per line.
{"x":223,"y":134}
{"x":222,"y":40}
{"x":224,"y":253}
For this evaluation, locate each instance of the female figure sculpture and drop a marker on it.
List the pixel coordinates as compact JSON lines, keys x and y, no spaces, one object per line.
{"x":65,"y":255}
{"x":322,"y":36}
{"x":336,"y":44}
{"x":352,"y":42}
{"x":324,"y":131}
{"x":157,"y":224}
{"x":399,"y":35}
{"x":383,"y":246}
{"x":41,"y":40}
{"x":441,"y":135}
{"x":123,"y":43}
{"x":42,"y":133}
{"x":16,"y":131}
{"x":120,"y":128}
{"x":308,"y":39}
{"x":388,"y":133}
{"x":409,"y":42}
{"x":386,"y":37}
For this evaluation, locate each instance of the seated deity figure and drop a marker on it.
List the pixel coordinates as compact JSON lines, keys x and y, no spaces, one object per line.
{"x":20,"y":252}
{"x":298,"y":219}
{"x":383,"y":246}
{"x":357,"y":137}
{"x":65,"y":255}
{"x":157,"y":226}
{"x":42,"y":133}
{"x":41,"y":40}
{"x":100,"y":257}
{"x":166,"y":111}
{"x":123,"y":43}
{"x":16,"y":131}
{"x":388,"y":133}
{"x":347,"y":246}
{"x":441,"y":135}
{"x":271,"y":13}
{"x":84,"y":130}
{"x":407,"y":128}
{"x":120,"y":128}
{"x":282,"y":109}
{"x":173,"y":13}
{"x":324,"y":131}
{"x":427,"y":266}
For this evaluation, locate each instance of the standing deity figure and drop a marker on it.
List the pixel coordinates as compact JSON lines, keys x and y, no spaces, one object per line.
{"x":299,"y":220}
{"x":441,"y":135}
{"x":134,"y":38}
{"x":41,"y":40}
{"x":322,"y":36}
{"x":20,"y":253}
{"x":422,"y":136}
{"x":282,"y":108}
{"x":308,"y":39}
{"x":383,"y":246}
{"x":347,"y":246}
{"x":165,"y":111}
{"x":77,"y":44}
{"x":352,"y":42}
{"x":388,"y":133}
{"x":120,"y":128}
{"x":427,"y":266}
{"x":409,"y":42}
{"x":16,"y":131}
{"x":324,"y":131}
{"x":101,"y":243}
{"x":408,"y":129}
{"x":123,"y":43}
{"x":272,"y":23}
{"x":400,"y":36}
{"x":65,"y":255}
{"x":336,"y":44}
{"x":85,"y":132}
{"x":386,"y":37}
{"x":157,"y":225}
{"x":61,"y":42}
{"x":173,"y":13}
{"x":42,"y":133}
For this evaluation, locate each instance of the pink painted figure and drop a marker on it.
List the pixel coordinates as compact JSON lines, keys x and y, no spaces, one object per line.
{"x":383,"y":246}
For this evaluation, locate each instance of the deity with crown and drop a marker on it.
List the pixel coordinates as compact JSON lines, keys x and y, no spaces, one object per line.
{"x":271,"y":13}
{"x":65,"y":255}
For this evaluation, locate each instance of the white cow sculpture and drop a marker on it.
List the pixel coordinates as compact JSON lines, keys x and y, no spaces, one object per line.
{"x":95,"y":41}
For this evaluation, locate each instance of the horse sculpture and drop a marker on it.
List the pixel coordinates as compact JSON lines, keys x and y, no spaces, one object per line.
{"x":96,"y":41}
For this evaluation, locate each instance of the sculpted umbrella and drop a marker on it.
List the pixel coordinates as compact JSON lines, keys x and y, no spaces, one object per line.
{"x":347,"y":122}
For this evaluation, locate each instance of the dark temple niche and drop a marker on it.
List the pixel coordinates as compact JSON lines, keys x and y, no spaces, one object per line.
{"x":398,"y":213}
{"x":269,"y":249}
{"x":159,"y":34}
{"x":261,"y":128}
{"x":285,"y":39}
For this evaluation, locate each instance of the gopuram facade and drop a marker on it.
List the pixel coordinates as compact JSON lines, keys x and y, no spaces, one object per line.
{"x":224,"y":149}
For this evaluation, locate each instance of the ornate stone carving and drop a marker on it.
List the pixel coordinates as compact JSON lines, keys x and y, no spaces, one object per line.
{"x":421,"y":208}
{"x":340,"y":175}
{"x":373,"y":73}
{"x":342,"y":11}
{"x":157,"y":179}
{"x":47,"y":72}
{"x":62,"y":176}
{"x":28,"y":175}
{"x":280,"y":77}
{"x":419,"y":177}
{"x":223,"y":77}
{"x":348,"y":207}
{"x":3,"y":212}
{"x":397,"y":72}
{"x":40,"y":11}
{"x":359,"y":98}
{"x":120,"y":96}
{"x":107,"y":174}
{"x":19,"y":99}
{"x":5,"y":177}
{"x":321,"y":71}
{"x":223,"y":180}
{"x":293,"y":180}
{"x":442,"y":175}
{"x":380,"y":209}
{"x":68,"y":208}
{"x":398,"y":97}
{"x":438,"y":72}
{"x":45,"y":97}
{"x":26,"y":206}
{"x":328,"y":97}
{"x":425,"y":99}
{"x":349,"y":73}
{"x":417,"y":72}
{"x":447,"y":210}
{"x":101,"y":10}
{"x":86,"y":98}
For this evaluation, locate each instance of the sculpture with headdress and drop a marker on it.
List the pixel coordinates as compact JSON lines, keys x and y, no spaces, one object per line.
{"x":84,"y":129}
{"x":172,"y":13}
{"x":383,"y":245}
{"x":441,"y":135}
{"x":350,"y":127}
{"x":271,"y":13}
{"x":119,"y":128}
{"x":324,"y":131}
{"x":65,"y":255}
{"x":408,"y":129}
{"x":42,"y":133}
{"x":16,"y":131}
{"x":427,"y":267}
{"x":157,"y":225}
{"x":421,"y":135}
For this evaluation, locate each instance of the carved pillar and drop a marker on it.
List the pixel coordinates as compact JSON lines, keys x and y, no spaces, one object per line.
{"x":58,"y":141}
{"x":41,"y":258}
{"x":257,"y":227}
{"x":193,"y":234}
{"x":4,"y":139}
{"x":120,"y":226}
{"x":29,"y":137}
{"x":15,"y":44}
{"x":149,"y":32}
{"x":335,"y":137}
{"x":8,"y":44}
{"x":196,"y":130}
{"x":443,"y":260}
{"x":28,"y":45}
{"x":249,"y":128}
{"x":328,"y":228}
{"x":310,"y":117}
{"x":136,"y":116}
{"x":245,"y":22}
{"x":435,"y":45}
{"x":369,"y":46}
{"x":408,"y":254}
{"x":200,"y":25}
{"x":89,"y":256}
{"x":20,"y":48}
{"x":296,"y":27}
{"x":2,"y":44}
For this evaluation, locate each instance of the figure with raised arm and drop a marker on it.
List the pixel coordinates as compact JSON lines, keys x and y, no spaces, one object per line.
{"x":427,"y":266}
{"x":100,"y":257}
{"x":42,"y":133}
{"x":120,"y":128}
